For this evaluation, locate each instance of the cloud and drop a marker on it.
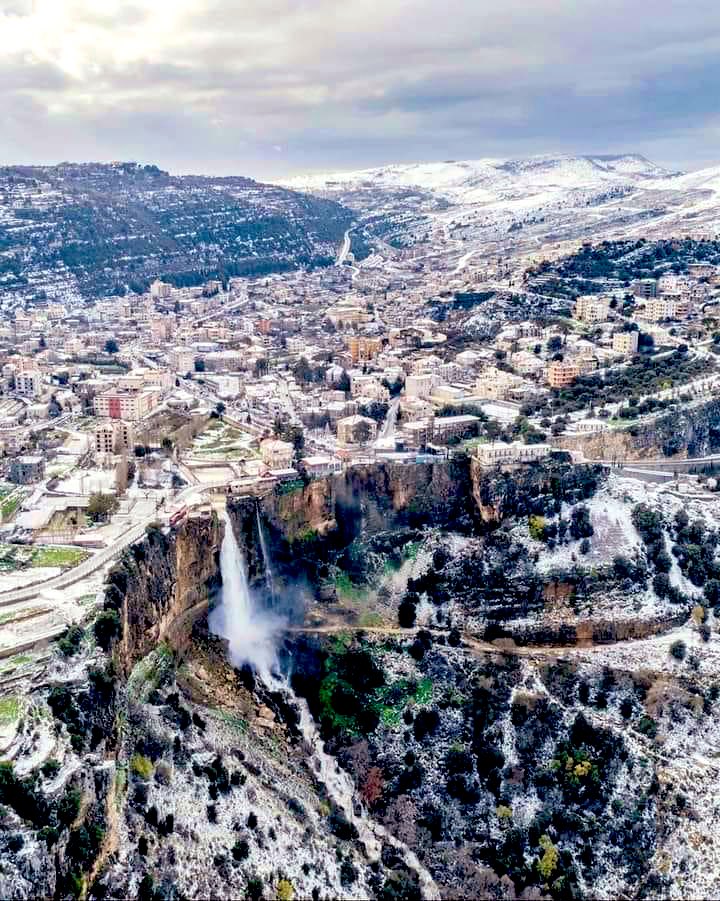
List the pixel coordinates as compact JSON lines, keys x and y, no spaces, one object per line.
{"x":218,"y":86}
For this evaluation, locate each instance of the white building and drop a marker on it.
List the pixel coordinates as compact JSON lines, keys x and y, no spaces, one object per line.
{"x":496,"y":453}
{"x":591,"y":308}
{"x":28,"y":383}
{"x":420,"y":385}
{"x":182,"y":359}
{"x":276,"y":454}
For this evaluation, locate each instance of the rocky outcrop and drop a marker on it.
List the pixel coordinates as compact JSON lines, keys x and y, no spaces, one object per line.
{"x":522,"y":490}
{"x":165,"y":582}
{"x":689,"y":432}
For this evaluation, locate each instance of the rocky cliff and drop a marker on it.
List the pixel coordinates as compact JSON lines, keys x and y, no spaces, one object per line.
{"x":689,"y":432}
{"x":162,"y":585}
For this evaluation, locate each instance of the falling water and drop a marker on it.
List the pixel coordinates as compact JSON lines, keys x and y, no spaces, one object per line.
{"x":251,"y":634}
{"x":249,"y":630}
{"x":269,"y":578}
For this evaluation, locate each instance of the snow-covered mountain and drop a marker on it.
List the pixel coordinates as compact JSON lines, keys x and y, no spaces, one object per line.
{"x":485,"y":180}
{"x":522,"y":207}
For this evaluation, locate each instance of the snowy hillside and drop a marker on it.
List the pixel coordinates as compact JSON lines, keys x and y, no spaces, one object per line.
{"x":531,"y":208}
{"x":487,"y":179}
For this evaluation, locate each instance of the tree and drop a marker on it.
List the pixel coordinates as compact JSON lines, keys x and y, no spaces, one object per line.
{"x":199,"y":365}
{"x":101,"y":506}
{"x":106,"y":627}
{"x":111,"y":346}
{"x":42,"y":343}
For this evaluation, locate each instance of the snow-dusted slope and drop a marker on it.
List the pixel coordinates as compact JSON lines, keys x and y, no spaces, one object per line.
{"x":528,"y":208}
{"x":485,"y":180}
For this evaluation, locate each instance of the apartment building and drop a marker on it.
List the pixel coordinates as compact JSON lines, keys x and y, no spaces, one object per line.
{"x":113,"y":437}
{"x":182,"y":359}
{"x":29,"y":382}
{"x":625,"y":342}
{"x":665,"y":307}
{"x":591,"y":308}
{"x":496,"y":453}
{"x":126,"y":403}
{"x":362,"y":348}
{"x":561,"y":373}
{"x":356,"y":430}
{"x":447,"y":427}
{"x":420,"y":385}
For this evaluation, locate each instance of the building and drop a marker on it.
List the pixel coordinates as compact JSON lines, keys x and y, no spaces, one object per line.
{"x":26,"y":470}
{"x":182,"y":359}
{"x":356,"y":430}
{"x":368,"y":386}
{"x":666,"y":307}
{"x":419,"y":433}
{"x":126,"y":403}
{"x":363,"y":349}
{"x":625,"y":342}
{"x":646,"y":287}
{"x":496,"y":384}
{"x":420,"y":385}
{"x":28,"y":382}
{"x":320,"y":465}
{"x":561,"y":373}
{"x":160,"y":290}
{"x":591,"y":308}
{"x":497,"y":453}
{"x":113,"y":437}
{"x":448,"y":427}
{"x":276,"y":454}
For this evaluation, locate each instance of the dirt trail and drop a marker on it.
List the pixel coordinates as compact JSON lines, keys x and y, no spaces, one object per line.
{"x":501,"y":646}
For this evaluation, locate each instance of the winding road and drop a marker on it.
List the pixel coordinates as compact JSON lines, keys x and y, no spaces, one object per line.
{"x":344,"y":250}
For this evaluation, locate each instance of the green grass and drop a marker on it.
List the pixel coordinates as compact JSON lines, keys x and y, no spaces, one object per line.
{"x":347,"y":590}
{"x":9,"y":506}
{"x":370,"y":619}
{"x":411,"y":549}
{"x":233,"y":720}
{"x":9,"y":710}
{"x":424,"y":692}
{"x":141,"y":766}
{"x":64,"y":557}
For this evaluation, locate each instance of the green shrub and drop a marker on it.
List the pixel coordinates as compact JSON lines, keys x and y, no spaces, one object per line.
{"x":141,"y":766}
{"x":69,"y":643}
{"x":678,"y":649}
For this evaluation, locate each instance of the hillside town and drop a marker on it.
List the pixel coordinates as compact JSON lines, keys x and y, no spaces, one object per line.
{"x":122,"y":411}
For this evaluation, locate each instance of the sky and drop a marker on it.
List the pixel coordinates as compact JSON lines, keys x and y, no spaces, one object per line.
{"x":270,"y":88}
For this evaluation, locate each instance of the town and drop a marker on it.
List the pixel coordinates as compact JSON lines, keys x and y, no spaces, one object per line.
{"x":129,"y":410}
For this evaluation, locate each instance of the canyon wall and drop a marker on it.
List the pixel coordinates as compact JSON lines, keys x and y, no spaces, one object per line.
{"x":161,"y":585}
{"x":690,"y":432}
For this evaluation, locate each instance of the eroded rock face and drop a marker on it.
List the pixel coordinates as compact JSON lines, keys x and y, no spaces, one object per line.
{"x":690,"y":432}
{"x":165,"y":583}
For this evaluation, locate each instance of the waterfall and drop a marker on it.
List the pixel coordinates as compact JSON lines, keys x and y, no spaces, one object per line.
{"x":250,"y":631}
{"x":269,"y":579}
{"x":341,"y":790}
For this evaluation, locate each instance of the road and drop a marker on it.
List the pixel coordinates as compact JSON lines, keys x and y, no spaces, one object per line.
{"x":190,"y":496}
{"x":388,"y":428}
{"x":345,"y":249}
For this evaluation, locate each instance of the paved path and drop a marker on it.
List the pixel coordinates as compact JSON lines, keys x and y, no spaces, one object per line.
{"x":344,"y":250}
{"x":191,"y":496}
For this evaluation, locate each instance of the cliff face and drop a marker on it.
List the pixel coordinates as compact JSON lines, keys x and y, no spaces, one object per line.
{"x":165,"y":581}
{"x":501,"y":493}
{"x":690,"y":432}
{"x":370,"y":498}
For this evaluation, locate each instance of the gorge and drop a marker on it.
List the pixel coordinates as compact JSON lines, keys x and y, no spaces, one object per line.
{"x":431,"y":680}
